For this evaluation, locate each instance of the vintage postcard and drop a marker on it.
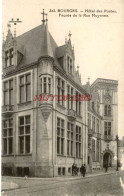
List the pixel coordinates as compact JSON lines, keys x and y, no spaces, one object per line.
{"x":62,"y":78}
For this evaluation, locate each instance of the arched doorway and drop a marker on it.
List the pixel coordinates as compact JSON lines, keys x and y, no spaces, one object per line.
{"x":107,"y":159}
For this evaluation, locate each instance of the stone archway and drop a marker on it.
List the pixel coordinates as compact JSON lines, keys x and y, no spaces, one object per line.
{"x":107,"y":159}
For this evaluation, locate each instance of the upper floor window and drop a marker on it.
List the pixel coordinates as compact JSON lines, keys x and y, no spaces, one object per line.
{"x":107,"y":130}
{"x":93,"y":123}
{"x":60,"y":90}
{"x":7,"y":136}
{"x":9,"y":58}
{"x":97,"y":126}
{"x":89,"y":121}
{"x":107,"y":110}
{"x":46,"y":84}
{"x":69,"y":65}
{"x":70,"y":93}
{"x":97,"y":107}
{"x":24,"y":134}
{"x":60,"y":136}
{"x":70,"y":138}
{"x":78,"y":141}
{"x":78,"y":104}
{"x":25,"y":87}
{"x":8,"y":92}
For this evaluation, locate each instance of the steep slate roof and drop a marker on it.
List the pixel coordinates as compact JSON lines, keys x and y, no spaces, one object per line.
{"x":60,"y":51}
{"x":37,"y":42}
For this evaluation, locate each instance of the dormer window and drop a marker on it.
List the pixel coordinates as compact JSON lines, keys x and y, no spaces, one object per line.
{"x":69,"y":65}
{"x":9,"y":58}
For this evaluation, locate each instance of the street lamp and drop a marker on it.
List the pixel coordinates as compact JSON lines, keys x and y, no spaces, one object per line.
{"x":117,"y":139}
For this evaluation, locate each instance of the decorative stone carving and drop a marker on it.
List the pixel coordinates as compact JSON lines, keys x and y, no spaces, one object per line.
{"x":46,"y":114}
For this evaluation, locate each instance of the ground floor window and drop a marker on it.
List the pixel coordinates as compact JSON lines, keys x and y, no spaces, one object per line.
{"x":70,"y":138}
{"x":98,"y":151}
{"x":93,"y":150}
{"x":78,"y":141}
{"x":7,"y":137}
{"x":24,"y":134}
{"x":60,"y":136}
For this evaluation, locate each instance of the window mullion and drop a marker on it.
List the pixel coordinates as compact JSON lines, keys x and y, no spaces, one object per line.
{"x":24,"y":135}
{"x":25,"y":89}
{"x":47,"y":87}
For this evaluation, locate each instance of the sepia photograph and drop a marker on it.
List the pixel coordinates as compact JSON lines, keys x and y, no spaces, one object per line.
{"x":62,"y":98}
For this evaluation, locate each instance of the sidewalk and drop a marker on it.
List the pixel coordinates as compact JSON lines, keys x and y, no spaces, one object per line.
{"x":21,"y":182}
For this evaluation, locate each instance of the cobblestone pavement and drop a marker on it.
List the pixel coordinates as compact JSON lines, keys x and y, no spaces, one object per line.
{"x":107,"y":185}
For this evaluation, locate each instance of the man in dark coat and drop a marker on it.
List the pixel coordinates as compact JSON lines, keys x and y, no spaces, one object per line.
{"x":106,"y":167}
{"x":83,"y":170}
{"x":73,"y":167}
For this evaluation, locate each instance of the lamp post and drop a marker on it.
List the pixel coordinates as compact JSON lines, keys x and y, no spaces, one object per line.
{"x":117,"y":139}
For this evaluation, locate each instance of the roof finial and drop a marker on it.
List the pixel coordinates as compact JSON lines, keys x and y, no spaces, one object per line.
{"x":8,"y":25}
{"x":14,"y":32}
{"x":88,"y":80}
{"x":3,"y":37}
{"x":65,"y":39}
{"x":46,"y":19}
{"x":69,"y":35}
{"x":78,"y":68}
{"x":43,"y":13}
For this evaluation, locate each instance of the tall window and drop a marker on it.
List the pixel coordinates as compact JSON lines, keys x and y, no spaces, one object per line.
{"x":107,"y":128}
{"x":46,"y":85}
{"x":93,"y":149}
{"x":93,"y":123}
{"x":8,"y":92}
{"x":89,"y":121}
{"x":9,"y":58}
{"x":92,"y":105}
{"x":60,"y":136}
{"x":24,"y":134}
{"x":107,"y":110}
{"x":78,"y":104}
{"x":78,"y":141}
{"x":97,"y":126}
{"x":70,"y":94}
{"x":98,"y":150}
{"x":70,"y":135}
{"x":25,"y":88}
{"x":69,"y":65}
{"x":7,"y":137}
{"x":60,"y":91}
{"x":97,"y":107}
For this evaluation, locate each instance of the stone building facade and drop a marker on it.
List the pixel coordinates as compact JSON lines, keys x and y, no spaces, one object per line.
{"x":103,"y":123}
{"x":44,"y":137}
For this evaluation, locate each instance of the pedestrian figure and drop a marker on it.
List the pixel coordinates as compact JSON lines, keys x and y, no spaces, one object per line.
{"x":106,"y":167}
{"x":76,"y":170}
{"x":73,"y":166}
{"x":83,"y":170}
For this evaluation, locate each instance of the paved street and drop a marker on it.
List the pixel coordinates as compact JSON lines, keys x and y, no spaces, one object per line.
{"x":93,"y":186}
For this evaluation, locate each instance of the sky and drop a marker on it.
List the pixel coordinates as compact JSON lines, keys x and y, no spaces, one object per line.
{"x":98,"y":42}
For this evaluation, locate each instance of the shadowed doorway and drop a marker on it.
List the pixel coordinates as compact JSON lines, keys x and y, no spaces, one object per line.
{"x":107,"y":159}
